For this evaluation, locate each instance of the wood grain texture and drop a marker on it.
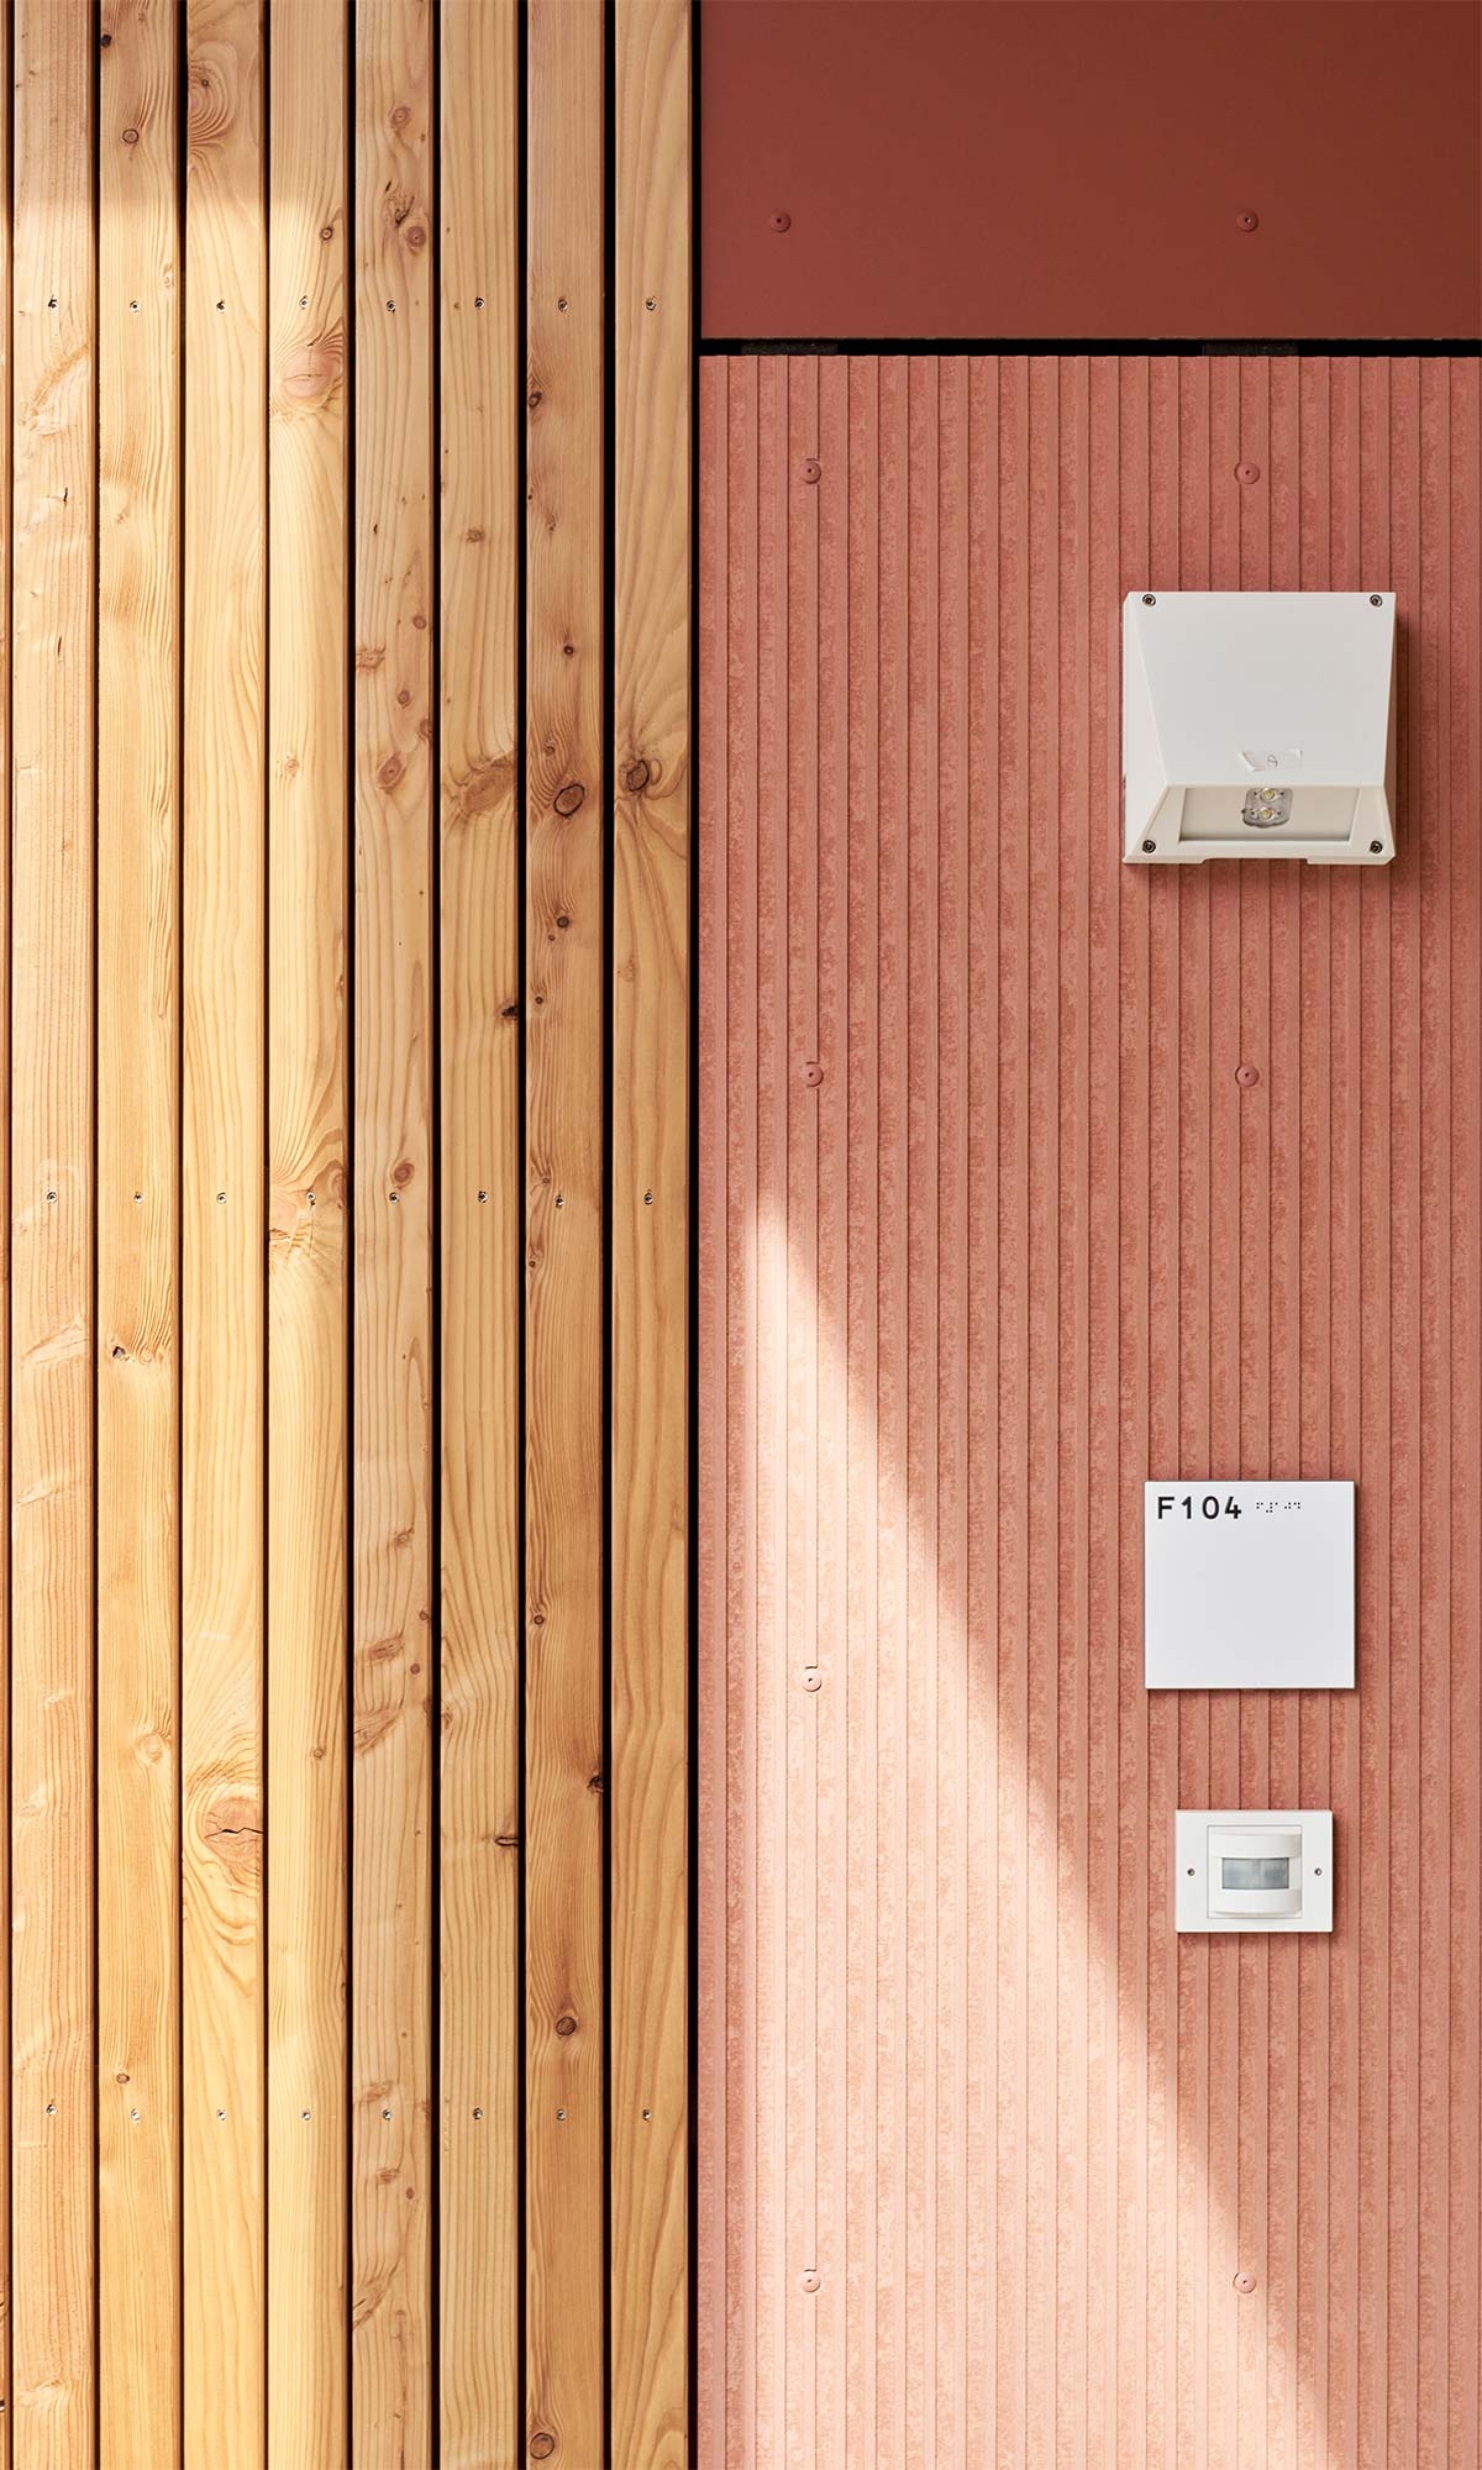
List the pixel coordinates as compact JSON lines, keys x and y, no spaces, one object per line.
{"x":647,"y":1791}
{"x":482,"y":1206}
{"x":1023,"y":1237}
{"x":138,"y":1381}
{"x":395,"y":1633}
{"x":222,"y":1203}
{"x":52,"y":2020}
{"x":566,"y":799}
{"x":308,"y":1203}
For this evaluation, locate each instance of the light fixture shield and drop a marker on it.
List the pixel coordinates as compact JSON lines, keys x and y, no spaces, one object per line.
{"x":1258,"y":725}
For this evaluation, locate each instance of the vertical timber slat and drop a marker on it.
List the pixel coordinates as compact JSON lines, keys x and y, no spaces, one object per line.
{"x":307,"y":2327}
{"x":51,"y":1193}
{"x":395,"y":1635}
{"x":650,"y":1385}
{"x":564,"y":1441}
{"x":221,"y":1206}
{"x":139,"y":2353}
{"x":481,"y":1235}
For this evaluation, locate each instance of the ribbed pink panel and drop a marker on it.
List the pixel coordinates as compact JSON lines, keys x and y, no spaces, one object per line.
{"x":989,"y":1232}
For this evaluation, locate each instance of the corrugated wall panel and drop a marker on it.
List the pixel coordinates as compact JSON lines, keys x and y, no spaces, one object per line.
{"x":989,"y":1230}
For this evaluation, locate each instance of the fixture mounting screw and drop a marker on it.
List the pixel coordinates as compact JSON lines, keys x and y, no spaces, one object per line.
{"x":1148,"y":848}
{"x":1247,"y":474}
{"x":1150,"y":600}
{"x":782,"y":222}
{"x":1376,"y":848}
{"x":1245,"y":2283}
{"x":1247,"y":220}
{"x":812,"y":470}
{"x":1247,"y":1074}
{"x":1376,"y":600}
{"x":810,"y":2281}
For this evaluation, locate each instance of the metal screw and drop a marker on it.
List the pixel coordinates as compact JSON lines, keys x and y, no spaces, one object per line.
{"x":221,"y":2113}
{"x":385,"y":2114}
{"x":650,"y":305}
{"x":1376,"y":600}
{"x":1376,"y":848}
{"x":134,"y":2115}
{"x":1317,"y":1873}
{"x":479,"y":302}
{"x":1150,"y":600}
{"x":393,"y":1198}
{"x":647,"y":2117}
{"x":51,"y":1196}
{"x":560,"y":2114}
{"x":1148,"y":848}
{"x":561,"y":305}
{"x":478,"y":2114}
{"x":220,"y":1197}
{"x":483,"y":1196}
{"x":648,"y":1200}
{"x":51,"y":2109}
{"x":306,"y":2113}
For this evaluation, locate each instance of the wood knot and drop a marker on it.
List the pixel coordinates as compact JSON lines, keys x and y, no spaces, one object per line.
{"x":311,"y":374}
{"x":637,"y":776}
{"x":233,"y":1830}
{"x":390,"y":771}
{"x":565,"y":2026}
{"x":568,"y":800}
{"x":542,"y":2445}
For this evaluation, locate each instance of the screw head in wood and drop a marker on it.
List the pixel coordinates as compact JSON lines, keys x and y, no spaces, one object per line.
{"x":812,"y":471}
{"x":1245,"y":2283}
{"x":1148,"y":848}
{"x":813,"y":1074}
{"x":1376,"y":848}
{"x":811,"y":2280}
{"x":1376,"y":600}
{"x":1150,"y":600}
{"x":1247,"y":474}
{"x":1247,"y":1074}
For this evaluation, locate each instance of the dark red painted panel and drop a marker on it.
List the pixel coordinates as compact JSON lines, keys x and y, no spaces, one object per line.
{"x":1079,"y":168}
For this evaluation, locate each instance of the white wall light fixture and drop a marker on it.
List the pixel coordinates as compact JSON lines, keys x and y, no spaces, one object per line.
{"x":1253,"y":1870}
{"x":1258,"y":725}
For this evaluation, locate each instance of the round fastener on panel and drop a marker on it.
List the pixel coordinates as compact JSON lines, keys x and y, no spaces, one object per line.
{"x":1150,"y":600}
{"x":1245,"y":2283}
{"x":782,"y":222}
{"x":812,"y":470}
{"x":813,"y":1074}
{"x":1189,"y":1873}
{"x":1317,"y":1870}
{"x":1376,"y":848}
{"x":650,"y":305}
{"x":479,"y":301}
{"x":1247,"y":220}
{"x":561,"y":2114}
{"x":562,"y":306}
{"x":1248,"y":1075}
{"x":478,"y":2114}
{"x":812,"y":1678}
{"x":51,"y":2109}
{"x":1149,"y":848}
{"x":1247,"y":474}
{"x":811,"y":2280}
{"x":648,"y":2118}
{"x":1376,"y":600}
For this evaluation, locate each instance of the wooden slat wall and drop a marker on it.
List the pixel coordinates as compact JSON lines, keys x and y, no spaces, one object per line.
{"x":989,"y":1231}
{"x":344,"y":601}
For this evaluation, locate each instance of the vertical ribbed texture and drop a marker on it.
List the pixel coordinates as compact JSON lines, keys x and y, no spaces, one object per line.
{"x":989,"y":1230}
